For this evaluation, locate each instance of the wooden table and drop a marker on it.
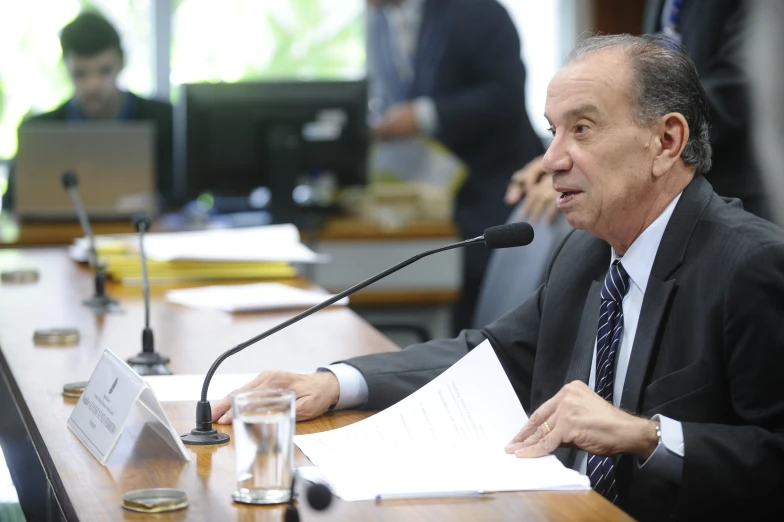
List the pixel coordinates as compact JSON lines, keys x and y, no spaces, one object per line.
{"x":81,"y":489}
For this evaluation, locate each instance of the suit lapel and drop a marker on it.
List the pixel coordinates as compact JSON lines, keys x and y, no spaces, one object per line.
{"x":582,"y":355}
{"x":431,"y":43}
{"x":661,"y":288}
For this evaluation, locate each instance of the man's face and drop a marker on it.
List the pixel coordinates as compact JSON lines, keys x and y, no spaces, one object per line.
{"x":95,"y":80}
{"x":600,"y":158}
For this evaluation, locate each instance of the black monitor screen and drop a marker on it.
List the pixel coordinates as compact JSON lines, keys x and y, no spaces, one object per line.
{"x":242,"y":136}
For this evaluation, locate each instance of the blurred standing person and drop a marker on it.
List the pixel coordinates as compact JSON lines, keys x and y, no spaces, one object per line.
{"x":763,"y":54}
{"x":451,"y":69}
{"x":712,"y":32}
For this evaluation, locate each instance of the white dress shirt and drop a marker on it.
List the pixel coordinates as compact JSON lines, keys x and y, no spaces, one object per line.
{"x":667,"y":458}
{"x":405,"y":22}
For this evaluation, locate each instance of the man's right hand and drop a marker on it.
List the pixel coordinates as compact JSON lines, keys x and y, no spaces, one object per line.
{"x":315,"y":393}
{"x":536,"y":185}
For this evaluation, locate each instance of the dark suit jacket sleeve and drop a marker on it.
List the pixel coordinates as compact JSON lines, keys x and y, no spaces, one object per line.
{"x":726,"y":83}
{"x":494,"y":76}
{"x":737,"y":463}
{"x":393,"y":376}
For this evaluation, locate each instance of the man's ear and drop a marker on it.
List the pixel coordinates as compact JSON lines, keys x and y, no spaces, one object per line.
{"x":671,"y":138}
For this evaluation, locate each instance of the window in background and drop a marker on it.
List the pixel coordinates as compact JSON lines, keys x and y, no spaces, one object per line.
{"x":548,"y":30}
{"x":32,"y":77}
{"x":252,"y":39}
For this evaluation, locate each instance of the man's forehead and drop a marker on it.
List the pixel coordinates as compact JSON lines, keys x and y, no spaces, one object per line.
{"x":592,"y":84}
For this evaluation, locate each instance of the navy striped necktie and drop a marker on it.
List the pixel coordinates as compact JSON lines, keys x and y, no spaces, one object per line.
{"x":608,"y":341}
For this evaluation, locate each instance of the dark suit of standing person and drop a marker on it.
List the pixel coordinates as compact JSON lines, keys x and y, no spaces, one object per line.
{"x":713,"y":32}
{"x":452,"y":69}
{"x":94,"y":58}
{"x":652,"y":356}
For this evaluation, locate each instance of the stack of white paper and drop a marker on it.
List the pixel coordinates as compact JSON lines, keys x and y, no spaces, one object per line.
{"x":263,"y":243}
{"x":248,"y":298}
{"x":448,"y":436}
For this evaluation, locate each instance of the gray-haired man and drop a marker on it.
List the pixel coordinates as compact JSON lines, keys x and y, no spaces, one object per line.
{"x":652,"y":357}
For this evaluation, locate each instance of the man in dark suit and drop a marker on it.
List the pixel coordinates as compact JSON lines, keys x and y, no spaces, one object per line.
{"x":712,"y":33}
{"x":652,"y":356}
{"x":452,"y":69}
{"x":94,"y":58}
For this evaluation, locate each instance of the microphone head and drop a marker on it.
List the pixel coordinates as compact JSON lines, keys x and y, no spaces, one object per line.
{"x":319,"y":496}
{"x":141,"y":219}
{"x":69,"y":179}
{"x":509,"y":235}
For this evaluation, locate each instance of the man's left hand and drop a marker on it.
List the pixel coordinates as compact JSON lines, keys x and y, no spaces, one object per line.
{"x":398,"y":122}
{"x":578,"y":417}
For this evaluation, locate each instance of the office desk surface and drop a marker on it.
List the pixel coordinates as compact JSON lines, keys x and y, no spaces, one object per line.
{"x":88,"y":491}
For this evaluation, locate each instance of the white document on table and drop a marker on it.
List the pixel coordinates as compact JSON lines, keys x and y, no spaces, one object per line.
{"x":448,"y":436}
{"x":271,"y":243}
{"x":249,"y":298}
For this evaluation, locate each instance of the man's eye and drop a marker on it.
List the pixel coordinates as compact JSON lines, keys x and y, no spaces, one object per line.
{"x":581,"y":129}
{"x":552,"y":131}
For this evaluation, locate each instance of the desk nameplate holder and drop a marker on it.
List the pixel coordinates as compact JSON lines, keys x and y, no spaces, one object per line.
{"x":104,"y":409}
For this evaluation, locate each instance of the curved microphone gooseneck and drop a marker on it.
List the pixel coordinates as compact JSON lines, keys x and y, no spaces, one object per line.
{"x":502,"y":236}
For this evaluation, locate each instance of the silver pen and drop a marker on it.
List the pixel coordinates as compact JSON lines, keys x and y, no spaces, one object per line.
{"x":431,"y":494}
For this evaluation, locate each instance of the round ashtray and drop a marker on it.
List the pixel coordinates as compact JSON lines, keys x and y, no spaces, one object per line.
{"x":155,"y":500}
{"x":56,"y":336}
{"x":29,"y":275}
{"x":74,"y":389}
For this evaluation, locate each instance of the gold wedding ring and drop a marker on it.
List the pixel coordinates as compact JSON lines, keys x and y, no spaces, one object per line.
{"x":548,"y":427}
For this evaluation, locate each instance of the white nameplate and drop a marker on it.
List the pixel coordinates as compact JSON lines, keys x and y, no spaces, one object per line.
{"x":103,"y":410}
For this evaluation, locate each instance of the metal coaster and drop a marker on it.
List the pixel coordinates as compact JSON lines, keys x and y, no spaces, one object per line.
{"x":29,"y":275}
{"x":155,"y":500}
{"x":74,"y":389}
{"x":56,"y":336}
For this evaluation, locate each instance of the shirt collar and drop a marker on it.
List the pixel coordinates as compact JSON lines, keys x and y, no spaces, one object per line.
{"x":638,"y":260}
{"x":127,"y":109}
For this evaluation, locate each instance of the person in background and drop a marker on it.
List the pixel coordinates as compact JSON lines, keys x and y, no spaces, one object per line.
{"x":712,"y":32}
{"x":94,"y":58}
{"x":451,"y":69}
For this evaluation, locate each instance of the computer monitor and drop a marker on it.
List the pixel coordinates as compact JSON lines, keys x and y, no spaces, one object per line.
{"x":235,"y":138}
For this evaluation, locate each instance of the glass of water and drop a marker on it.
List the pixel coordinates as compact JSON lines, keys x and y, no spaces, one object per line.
{"x":263,"y":422}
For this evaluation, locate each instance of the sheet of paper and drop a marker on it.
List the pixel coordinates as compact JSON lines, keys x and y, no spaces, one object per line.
{"x":420,"y":160}
{"x":262,"y":243}
{"x":172,"y":388}
{"x":448,"y":436}
{"x":247,"y":298}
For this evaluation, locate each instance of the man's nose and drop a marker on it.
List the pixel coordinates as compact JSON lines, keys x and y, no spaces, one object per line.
{"x":556,"y":158}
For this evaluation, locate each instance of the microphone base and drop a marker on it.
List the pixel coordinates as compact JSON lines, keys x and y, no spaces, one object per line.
{"x":210,"y":437}
{"x":149,"y":363}
{"x":102,"y":304}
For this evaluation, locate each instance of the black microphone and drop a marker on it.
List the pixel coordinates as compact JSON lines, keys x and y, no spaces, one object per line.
{"x":147,"y":362}
{"x":100,"y":302}
{"x":502,"y":236}
{"x":319,"y":498}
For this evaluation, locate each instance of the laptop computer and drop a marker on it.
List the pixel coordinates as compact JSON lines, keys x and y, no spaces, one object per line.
{"x":115,"y":162}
